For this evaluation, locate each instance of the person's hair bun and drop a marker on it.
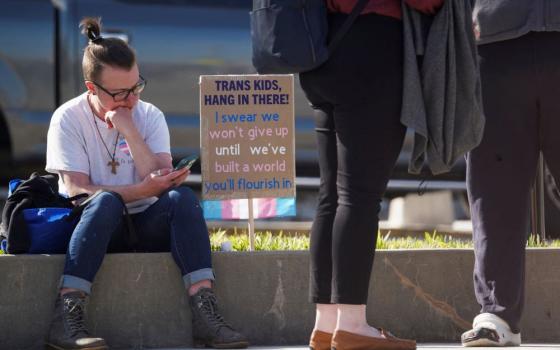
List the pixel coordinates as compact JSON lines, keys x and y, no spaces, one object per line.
{"x":101,"y":52}
{"x":91,"y":27}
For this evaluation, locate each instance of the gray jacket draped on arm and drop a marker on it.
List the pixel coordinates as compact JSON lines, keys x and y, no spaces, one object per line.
{"x":442,"y":99}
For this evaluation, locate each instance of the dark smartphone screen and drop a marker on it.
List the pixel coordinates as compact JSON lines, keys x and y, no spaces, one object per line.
{"x":186,"y":162}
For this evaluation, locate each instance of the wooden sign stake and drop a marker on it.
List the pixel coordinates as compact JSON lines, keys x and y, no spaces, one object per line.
{"x":251,"y":224}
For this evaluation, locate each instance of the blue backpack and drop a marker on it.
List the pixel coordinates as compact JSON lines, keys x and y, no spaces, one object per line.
{"x":36,"y":218}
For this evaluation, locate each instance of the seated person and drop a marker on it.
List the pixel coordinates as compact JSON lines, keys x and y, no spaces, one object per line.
{"x":107,"y":138}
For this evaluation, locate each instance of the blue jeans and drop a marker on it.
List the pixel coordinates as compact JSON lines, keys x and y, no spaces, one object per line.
{"x":174,"y":222}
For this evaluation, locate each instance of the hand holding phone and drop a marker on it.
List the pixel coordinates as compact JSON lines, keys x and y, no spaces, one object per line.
{"x":186,"y":162}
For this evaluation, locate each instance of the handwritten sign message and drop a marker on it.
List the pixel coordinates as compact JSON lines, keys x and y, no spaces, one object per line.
{"x":247,"y":136}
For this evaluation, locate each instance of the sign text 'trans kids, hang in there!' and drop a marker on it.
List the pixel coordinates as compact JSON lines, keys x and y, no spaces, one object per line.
{"x":247,"y":136}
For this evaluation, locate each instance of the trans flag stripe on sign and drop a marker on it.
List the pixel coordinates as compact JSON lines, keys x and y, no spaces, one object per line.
{"x":238,"y":208}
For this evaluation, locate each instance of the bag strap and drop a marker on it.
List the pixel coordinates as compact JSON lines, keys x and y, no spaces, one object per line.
{"x":360,"y":5}
{"x":76,"y":197}
{"x":132,"y":236}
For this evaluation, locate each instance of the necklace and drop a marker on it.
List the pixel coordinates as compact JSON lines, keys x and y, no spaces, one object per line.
{"x":112,"y":163}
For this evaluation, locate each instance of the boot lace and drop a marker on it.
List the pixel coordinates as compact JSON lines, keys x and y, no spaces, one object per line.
{"x":75,"y":315}
{"x":209,"y":306}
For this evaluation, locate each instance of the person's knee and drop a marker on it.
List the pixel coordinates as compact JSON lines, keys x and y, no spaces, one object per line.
{"x":184,"y":203}
{"x":101,"y":217}
{"x":107,"y":202}
{"x":361,"y":200}
{"x":183,"y":195}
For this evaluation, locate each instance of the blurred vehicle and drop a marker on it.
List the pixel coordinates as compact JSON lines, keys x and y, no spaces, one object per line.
{"x":176,"y":41}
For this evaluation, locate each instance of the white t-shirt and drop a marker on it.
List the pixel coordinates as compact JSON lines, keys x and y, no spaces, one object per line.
{"x":74,"y":144}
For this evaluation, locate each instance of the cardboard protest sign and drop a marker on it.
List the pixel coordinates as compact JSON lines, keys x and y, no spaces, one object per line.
{"x":247,"y":136}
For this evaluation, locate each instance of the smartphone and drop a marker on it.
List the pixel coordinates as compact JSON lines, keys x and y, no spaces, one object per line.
{"x":186,"y":162}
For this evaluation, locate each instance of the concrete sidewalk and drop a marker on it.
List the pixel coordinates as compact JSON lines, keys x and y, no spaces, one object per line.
{"x":420,"y":346}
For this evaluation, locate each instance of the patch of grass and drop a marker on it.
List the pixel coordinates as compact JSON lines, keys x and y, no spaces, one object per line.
{"x":536,"y":242}
{"x":433,"y":240}
{"x":263,"y":241}
{"x":269,"y":241}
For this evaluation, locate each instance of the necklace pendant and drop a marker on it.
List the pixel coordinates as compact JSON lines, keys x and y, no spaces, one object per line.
{"x":113,"y":164}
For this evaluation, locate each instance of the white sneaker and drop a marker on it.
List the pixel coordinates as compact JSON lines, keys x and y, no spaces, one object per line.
{"x":490,"y":330}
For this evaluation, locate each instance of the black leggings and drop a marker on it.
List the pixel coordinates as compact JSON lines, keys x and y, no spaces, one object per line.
{"x":356,"y":97}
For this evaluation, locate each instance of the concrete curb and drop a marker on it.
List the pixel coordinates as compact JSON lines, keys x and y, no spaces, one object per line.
{"x":139,"y":302}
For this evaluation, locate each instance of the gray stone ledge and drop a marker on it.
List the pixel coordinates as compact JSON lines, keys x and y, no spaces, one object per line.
{"x":138,"y":300}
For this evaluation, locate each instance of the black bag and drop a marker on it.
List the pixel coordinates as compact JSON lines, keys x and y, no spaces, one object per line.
{"x":290,"y":36}
{"x":36,"y":218}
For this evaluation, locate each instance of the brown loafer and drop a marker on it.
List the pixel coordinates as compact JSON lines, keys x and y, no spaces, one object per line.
{"x":320,"y":340}
{"x":350,"y":341}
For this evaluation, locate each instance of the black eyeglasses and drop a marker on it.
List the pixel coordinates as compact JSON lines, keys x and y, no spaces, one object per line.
{"x":123,"y":94}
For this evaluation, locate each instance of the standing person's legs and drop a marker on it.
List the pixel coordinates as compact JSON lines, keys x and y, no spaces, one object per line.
{"x":363,"y":83}
{"x":321,"y":231}
{"x":500,"y":172}
{"x":366,"y":95}
{"x":370,"y":137}
{"x":548,"y":56}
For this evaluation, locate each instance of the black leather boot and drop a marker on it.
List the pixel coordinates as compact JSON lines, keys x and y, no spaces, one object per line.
{"x":209,"y":327}
{"x":68,"y":330}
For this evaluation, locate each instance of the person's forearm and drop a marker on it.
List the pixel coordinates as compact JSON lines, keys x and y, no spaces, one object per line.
{"x":129,"y":193}
{"x":145,"y":160}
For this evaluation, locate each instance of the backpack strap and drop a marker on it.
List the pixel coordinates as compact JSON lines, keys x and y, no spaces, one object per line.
{"x":69,"y":200}
{"x":360,"y":5}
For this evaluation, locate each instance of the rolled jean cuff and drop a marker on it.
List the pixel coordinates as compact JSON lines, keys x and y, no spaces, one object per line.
{"x":197,"y":276}
{"x":68,"y":281}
